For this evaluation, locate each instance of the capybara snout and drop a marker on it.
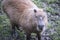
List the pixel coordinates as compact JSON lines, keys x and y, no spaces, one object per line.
{"x":41,"y":23}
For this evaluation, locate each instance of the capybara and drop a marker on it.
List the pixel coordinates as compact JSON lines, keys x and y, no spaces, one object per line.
{"x":25,"y":14}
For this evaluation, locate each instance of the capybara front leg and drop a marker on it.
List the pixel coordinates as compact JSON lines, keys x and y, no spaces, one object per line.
{"x":28,"y":36}
{"x":39,"y":36}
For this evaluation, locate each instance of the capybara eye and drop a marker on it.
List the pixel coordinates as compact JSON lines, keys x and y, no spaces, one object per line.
{"x":35,"y":10}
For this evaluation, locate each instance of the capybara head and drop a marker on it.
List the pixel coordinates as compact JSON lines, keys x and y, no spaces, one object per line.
{"x":38,"y":18}
{"x":41,"y":17}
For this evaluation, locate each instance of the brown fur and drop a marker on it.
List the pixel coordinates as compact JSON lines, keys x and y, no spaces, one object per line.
{"x":21,"y":13}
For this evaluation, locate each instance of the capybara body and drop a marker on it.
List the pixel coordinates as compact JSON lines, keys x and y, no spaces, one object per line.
{"x":25,"y":14}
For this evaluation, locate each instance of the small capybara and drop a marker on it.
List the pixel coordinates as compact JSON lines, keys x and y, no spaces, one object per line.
{"x":25,"y":14}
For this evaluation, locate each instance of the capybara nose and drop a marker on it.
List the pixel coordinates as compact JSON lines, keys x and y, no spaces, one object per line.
{"x":41,"y":27}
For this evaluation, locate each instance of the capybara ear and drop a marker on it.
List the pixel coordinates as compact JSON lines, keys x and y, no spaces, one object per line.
{"x":35,"y":10}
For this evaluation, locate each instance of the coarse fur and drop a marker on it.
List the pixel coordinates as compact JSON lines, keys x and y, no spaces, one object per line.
{"x":24,"y":13}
